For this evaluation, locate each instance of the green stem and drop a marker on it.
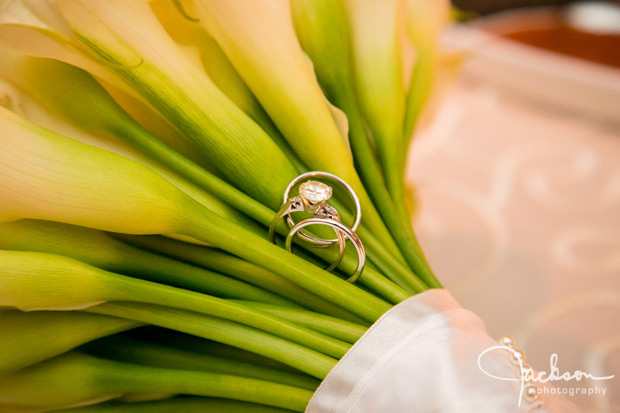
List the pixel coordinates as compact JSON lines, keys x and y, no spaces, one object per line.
{"x":397,"y":272}
{"x":99,"y":249}
{"x":225,"y":263}
{"x":387,"y":205}
{"x":224,"y":234}
{"x":122,"y":288}
{"x":224,"y":331}
{"x":31,"y":337}
{"x":422,"y":80}
{"x":105,"y":379}
{"x":371,"y":278}
{"x":198,"y":345}
{"x":178,"y":404}
{"x":124,"y":349}
{"x":331,"y":326}
{"x":160,"y":269}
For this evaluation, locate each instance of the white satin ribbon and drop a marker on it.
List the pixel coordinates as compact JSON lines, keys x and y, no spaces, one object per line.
{"x":422,"y":356}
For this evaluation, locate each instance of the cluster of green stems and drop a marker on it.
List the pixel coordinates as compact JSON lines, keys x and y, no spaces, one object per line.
{"x":116,"y":313}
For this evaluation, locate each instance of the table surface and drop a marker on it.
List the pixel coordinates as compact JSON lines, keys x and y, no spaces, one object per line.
{"x":518,"y":210}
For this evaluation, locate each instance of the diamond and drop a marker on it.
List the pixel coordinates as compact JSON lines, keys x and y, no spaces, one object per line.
{"x":315,"y":191}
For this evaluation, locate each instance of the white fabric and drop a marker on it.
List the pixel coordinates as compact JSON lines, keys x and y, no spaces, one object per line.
{"x":422,"y":356}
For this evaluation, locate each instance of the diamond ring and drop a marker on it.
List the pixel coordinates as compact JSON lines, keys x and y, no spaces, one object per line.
{"x":313,"y":196}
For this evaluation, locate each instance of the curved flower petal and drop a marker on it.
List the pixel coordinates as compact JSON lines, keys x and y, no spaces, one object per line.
{"x":36,"y":281}
{"x":379,"y":80}
{"x":44,"y":175}
{"x":424,"y":21}
{"x":96,"y":119}
{"x":124,"y":38}
{"x":189,"y":34}
{"x":36,"y":28}
{"x":259,"y":39}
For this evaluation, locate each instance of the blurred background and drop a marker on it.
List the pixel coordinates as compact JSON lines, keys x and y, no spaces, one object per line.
{"x":491,"y":6}
{"x":584,"y":29}
{"x":516,"y":174}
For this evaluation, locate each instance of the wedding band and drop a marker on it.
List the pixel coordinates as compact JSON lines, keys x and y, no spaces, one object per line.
{"x":339,"y":227}
{"x":342,"y":240}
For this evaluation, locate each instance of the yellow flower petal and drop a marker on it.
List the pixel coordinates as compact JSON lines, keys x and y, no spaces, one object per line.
{"x":47,"y":176}
{"x":425,"y":20}
{"x":125,"y":39}
{"x":258,"y":37}
{"x":379,"y":80}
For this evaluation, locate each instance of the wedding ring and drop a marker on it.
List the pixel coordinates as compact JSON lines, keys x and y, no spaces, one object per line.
{"x":339,"y":227}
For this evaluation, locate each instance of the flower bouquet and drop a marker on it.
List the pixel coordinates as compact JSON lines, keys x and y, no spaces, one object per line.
{"x":145,"y":150}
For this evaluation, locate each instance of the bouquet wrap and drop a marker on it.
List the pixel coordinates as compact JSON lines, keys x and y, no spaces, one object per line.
{"x":422,"y":355}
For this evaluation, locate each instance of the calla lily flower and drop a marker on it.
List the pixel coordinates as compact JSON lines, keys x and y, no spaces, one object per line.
{"x":260,"y":58}
{"x":424,"y":21}
{"x":258,"y":37}
{"x":71,"y":94}
{"x":47,"y":176}
{"x":376,"y":39}
{"x":186,"y":31}
{"x":378,"y":75}
{"x":124,"y":40}
{"x":322,"y":29}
